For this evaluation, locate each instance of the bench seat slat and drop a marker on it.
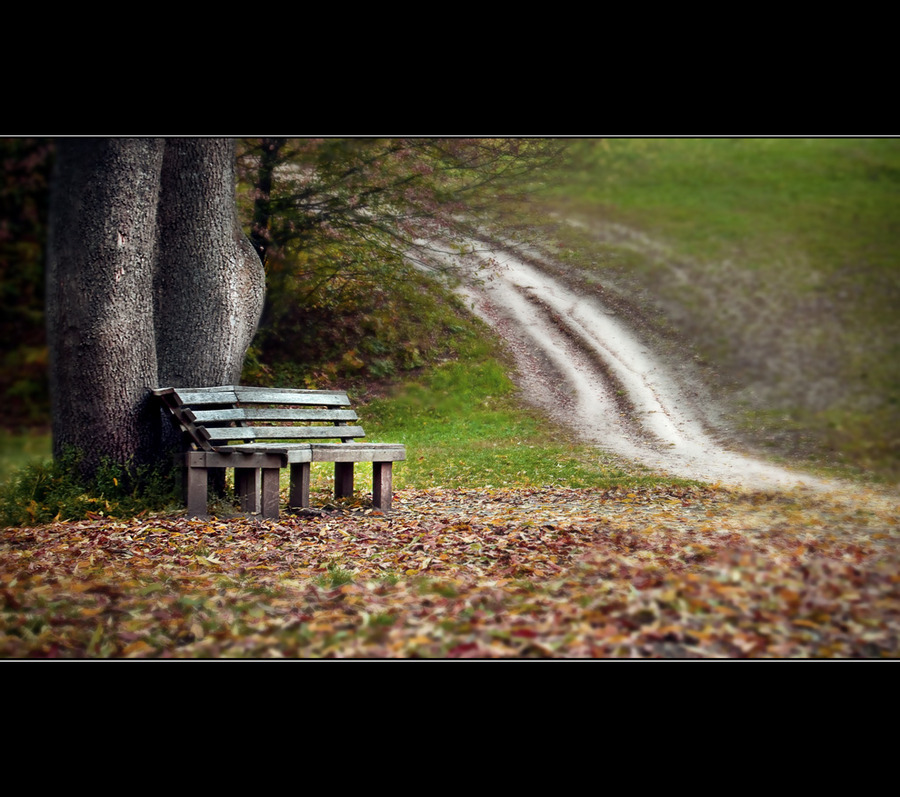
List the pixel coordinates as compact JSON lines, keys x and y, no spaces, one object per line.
{"x":292,"y":452}
{"x":226,"y":433}
{"x":246,"y":414}
{"x":268,"y":458}
{"x":325,"y":452}
{"x":357,"y":452}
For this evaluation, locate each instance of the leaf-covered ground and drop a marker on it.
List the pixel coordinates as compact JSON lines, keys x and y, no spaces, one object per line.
{"x":658,"y":572}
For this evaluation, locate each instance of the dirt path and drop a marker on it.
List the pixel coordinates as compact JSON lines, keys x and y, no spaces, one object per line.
{"x":581,"y":364}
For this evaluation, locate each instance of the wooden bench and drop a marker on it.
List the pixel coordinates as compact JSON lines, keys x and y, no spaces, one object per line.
{"x":249,"y":429}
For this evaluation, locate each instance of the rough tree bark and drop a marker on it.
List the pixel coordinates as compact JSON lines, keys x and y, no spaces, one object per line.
{"x":210,"y":282}
{"x":150,"y":281}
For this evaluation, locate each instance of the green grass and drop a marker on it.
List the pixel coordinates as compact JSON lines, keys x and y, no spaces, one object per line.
{"x":833,"y":198}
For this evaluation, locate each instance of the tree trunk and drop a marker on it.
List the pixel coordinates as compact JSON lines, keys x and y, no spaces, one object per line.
{"x":101,"y":247}
{"x":150,"y":282}
{"x":210,"y":283}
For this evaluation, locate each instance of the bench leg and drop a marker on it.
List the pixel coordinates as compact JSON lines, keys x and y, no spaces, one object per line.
{"x":269,"y":506}
{"x":196,"y":488}
{"x":299,"y":495}
{"x":343,"y":479}
{"x":245,"y":485}
{"x":382,"y":485}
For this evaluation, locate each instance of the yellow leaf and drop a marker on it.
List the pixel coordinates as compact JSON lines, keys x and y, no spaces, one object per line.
{"x":137,"y":648}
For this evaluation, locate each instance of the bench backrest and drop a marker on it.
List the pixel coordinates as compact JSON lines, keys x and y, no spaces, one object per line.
{"x":215,"y":416}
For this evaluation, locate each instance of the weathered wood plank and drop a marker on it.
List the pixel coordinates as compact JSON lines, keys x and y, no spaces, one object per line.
{"x":196,"y":487}
{"x":229,"y":394}
{"x":259,"y":395}
{"x":192,"y":398}
{"x":288,"y":390}
{"x":183,"y":418}
{"x":210,"y":389}
{"x":246,"y":414}
{"x":226,"y":433}
{"x":382,"y":485}
{"x":357,"y":452}
{"x":300,"y":477}
{"x":269,"y":489}
{"x":197,"y":460}
{"x":294,"y":452}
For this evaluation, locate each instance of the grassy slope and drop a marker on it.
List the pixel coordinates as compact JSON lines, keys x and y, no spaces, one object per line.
{"x":778,"y":267}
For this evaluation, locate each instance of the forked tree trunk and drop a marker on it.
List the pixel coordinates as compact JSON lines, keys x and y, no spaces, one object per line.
{"x":150,"y":282}
{"x":209,"y":280}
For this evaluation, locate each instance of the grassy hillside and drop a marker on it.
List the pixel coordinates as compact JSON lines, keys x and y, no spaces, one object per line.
{"x":774,"y":261}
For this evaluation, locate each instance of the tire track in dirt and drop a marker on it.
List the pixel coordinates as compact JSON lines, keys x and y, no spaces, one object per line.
{"x":579,"y":363}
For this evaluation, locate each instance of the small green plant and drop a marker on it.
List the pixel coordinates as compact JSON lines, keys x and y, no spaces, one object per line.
{"x":53,"y":490}
{"x":381,"y":369}
{"x":336,"y":576}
